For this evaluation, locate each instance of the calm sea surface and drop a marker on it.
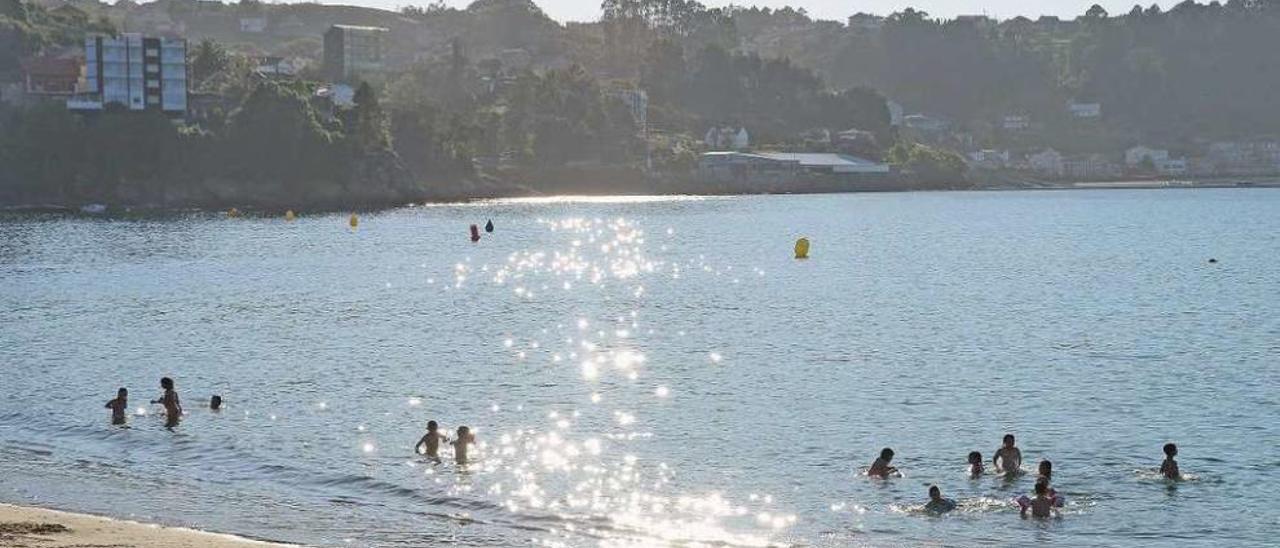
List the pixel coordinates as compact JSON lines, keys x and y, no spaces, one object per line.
{"x":646,"y":372}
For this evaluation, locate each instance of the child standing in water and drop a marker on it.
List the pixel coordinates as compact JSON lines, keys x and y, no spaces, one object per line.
{"x":1008,"y":458}
{"x":1042,"y":506}
{"x":975,"y":464}
{"x":172,"y":405}
{"x":1168,"y":468}
{"x":880,"y":468}
{"x":119,"y":406}
{"x":465,"y":438}
{"x":429,"y":444}
{"x":1045,"y":470}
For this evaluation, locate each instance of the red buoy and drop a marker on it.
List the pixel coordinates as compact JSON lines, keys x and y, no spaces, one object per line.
{"x":475,"y":233}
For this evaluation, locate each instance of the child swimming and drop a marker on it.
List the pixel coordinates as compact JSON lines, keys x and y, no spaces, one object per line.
{"x":1168,"y":468}
{"x":465,"y":438}
{"x":1045,"y":470}
{"x":975,"y":464}
{"x":215,"y":403}
{"x":429,"y":444}
{"x":1042,"y":506}
{"x":880,"y":468}
{"x":118,"y":406}
{"x":937,"y":504}
{"x":172,"y":405}
{"x":1008,"y":458}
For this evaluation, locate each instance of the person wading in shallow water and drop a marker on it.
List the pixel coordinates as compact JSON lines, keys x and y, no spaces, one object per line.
{"x":172,"y":405}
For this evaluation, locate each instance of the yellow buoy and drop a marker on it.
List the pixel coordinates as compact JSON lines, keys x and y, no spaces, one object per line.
{"x":289,"y":216}
{"x":802,"y":248}
{"x":354,"y":221}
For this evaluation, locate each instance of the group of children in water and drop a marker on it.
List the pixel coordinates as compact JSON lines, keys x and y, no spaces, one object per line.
{"x":429,"y":443}
{"x":1008,"y":461}
{"x":168,"y":398}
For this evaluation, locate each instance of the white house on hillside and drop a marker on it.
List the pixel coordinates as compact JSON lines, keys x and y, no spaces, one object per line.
{"x":1085,"y":110}
{"x":1046,"y":162}
{"x":1139,"y":154}
{"x":253,"y":24}
{"x":727,"y":137}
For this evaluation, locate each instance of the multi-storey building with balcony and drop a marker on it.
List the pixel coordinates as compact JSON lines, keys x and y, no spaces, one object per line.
{"x":135,"y":72}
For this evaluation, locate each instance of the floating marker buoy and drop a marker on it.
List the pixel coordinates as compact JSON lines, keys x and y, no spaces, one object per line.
{"x":488,"y":227}
{"x":354,"y":221}
{"x":802,"y":248}
{"x":289,"y":216}
{"x":475,"y":233}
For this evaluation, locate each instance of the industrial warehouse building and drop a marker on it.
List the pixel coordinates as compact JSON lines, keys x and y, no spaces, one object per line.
{"x":783,"y":171}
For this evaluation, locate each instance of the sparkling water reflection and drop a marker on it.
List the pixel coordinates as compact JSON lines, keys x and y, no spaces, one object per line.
{"x":655,"y":371}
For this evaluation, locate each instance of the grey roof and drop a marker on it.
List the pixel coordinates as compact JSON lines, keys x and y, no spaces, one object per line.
{"x":819,"y":159}
{"x":358,"y":27}
{"x":837,"y":162}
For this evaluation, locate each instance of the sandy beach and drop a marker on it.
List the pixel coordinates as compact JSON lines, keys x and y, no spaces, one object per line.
{"x":37,"y":527}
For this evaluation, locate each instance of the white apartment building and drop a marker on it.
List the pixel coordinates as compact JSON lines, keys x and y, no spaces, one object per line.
{"x":134,"y":71}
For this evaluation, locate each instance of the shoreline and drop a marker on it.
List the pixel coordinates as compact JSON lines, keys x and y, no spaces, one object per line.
{"x":47,"y":528}
{"x":248,"y":207}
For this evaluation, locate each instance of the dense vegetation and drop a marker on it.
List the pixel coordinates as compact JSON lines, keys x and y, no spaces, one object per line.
{"x":1197,"y":71}
{"x":460,"y":115}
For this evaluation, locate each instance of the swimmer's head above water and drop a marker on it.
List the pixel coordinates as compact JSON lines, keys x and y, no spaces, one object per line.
{"x":1171,"y":450}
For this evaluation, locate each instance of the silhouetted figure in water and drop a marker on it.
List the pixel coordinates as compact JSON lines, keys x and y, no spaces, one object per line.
{"x":172,"y":405}
{"x":488,"y":227}
{"x":1042,"y":506}
{"x":429,"y":444}
{"x":975,"y":464}
{"x":880,"y":468}
{"x":119,"y":406}
{"x":1168,"y":468}
{"x":1008,"y":458}
{"x":937,"y":504}
{"x":465,"y":438}
{"x":215,"y":403}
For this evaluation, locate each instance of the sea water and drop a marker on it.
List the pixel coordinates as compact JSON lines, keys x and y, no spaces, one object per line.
{"x":657,"y":371}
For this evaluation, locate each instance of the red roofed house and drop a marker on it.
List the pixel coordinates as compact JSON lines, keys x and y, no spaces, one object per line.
{"x":51,"y":75}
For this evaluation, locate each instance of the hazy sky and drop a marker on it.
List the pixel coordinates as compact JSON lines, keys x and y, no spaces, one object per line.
{"x":587,"y":10}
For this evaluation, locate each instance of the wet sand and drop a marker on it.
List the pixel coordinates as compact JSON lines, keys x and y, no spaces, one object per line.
{"x":40,"y":528}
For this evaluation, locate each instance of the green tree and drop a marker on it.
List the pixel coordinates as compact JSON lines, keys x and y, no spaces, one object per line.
{"x":208,"y":59}
{"x":371,"y":130}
